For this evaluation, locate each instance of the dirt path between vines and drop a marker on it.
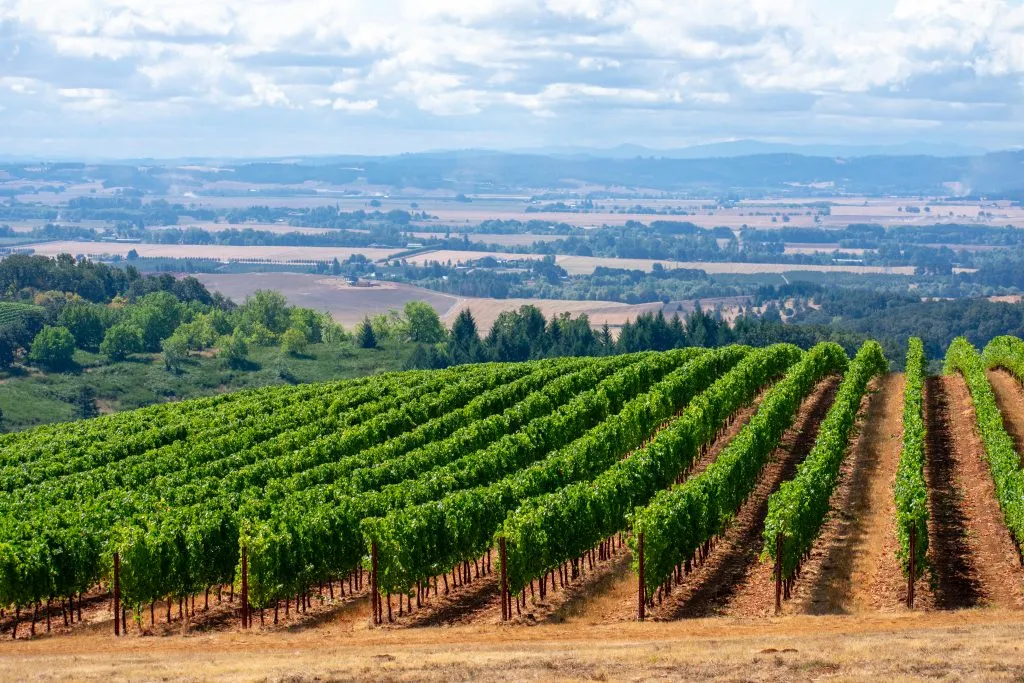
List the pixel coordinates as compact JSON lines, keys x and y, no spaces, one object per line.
{"x":479,"y":603}
{"x":732,"y":581}
{"x":853,"y":565}
{"x":971,"y":644}
{"x":610,"y":592}
{"x":973,"y":559}
{"x":1010,"y":399}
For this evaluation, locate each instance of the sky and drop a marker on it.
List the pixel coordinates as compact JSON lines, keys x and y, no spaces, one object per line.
{"x":235,"y":78}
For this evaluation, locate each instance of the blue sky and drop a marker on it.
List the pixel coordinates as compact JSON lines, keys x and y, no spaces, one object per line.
{"x":168,"y":78}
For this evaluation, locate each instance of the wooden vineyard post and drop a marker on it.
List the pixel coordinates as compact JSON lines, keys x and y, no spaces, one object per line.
{"x":374,"y":594}
{"x":117,"y":594}
{"x":506,"y":613}
{"x":245,"y":588}
{"x":641,"y":610}
{"x":778,"y":573}
{"x":913,"y":567}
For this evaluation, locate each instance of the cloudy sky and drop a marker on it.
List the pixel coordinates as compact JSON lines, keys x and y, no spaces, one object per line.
{"x":109,"y":78}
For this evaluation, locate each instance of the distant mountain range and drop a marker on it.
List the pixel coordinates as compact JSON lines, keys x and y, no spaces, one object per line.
{"x":740,"y":148}
{"x":737,"y":169}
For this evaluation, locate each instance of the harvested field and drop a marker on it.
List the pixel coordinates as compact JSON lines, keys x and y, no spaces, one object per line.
{"x":276,"y":228}
{"x":586,"y":264}
{"x":615,"y":314}
{"x":346,"y":303}
{"x":199,"y":251}
{"x":491,"y":238}
{"x":583,"y":265}
{"x":456,"y":257}
{"x":820,"y":249}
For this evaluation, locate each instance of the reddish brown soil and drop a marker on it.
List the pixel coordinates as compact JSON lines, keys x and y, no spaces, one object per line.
{"x":732,"y":581}
{"x":973,"y":560}
{"x":609,"y":593}
{"x":1010,"y":399}
{"x":853,"y":565}
{"x":219,"y":616}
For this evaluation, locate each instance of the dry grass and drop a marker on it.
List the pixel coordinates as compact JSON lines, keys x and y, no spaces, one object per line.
{"x":970,"y":644}
{"x":276,"y":228}
{"x":586,"y":264}
{"x":491,"y":238}
{"x":615,"y":314}
{"x":348,"y":305}
{"x":583,"y":265}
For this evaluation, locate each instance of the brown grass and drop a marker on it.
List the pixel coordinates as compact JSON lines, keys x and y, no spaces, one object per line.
{"x":348,"y":305}
{"x":973,"y":644}
{"x":583,"y":265}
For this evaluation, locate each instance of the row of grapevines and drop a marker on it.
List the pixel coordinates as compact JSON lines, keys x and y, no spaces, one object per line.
{"x":1006,"y":353}
{"x":270,"y":413}
{"x":113,"y":437}
{"x":798,"y":509}
{"x":1003,"y":459}
{"x":680,"y":520}
{"x":67,"y":547}
{"x":405,"y":458}
{"x":553,"y":528}
{"x":212,"y":527}
{"x":197,"y":481}
{"x":911,"y":491}
{"x":12,"y":312}
{"x":175,"y":465}
{"x":293,"y":548}
{"x":425,"y":540}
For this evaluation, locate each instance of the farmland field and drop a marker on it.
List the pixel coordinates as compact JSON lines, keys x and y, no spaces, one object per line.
{"x":799,"y":512}
{"x":349,"y":304}
{"x":512,"y":240}
{"x":197,"y":251}
{"x":581,"y":265}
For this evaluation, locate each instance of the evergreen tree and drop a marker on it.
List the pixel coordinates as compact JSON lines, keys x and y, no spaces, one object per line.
{"x":678,"y":331}
{"x":605,"y":340}
{"x":464,"y":345}
{"x":365,"y":336}
{"x":85,"y":403}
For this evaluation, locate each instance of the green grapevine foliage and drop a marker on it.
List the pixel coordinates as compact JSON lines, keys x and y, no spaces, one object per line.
{"x":1003,"y":459}
{"x":680,"y":520}
{"x":911,"y":491}
{"x":556,"y":527}
{"x":798,"y":509}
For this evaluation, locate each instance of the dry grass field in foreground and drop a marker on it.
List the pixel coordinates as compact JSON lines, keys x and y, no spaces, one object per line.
{"x":969,"y":644}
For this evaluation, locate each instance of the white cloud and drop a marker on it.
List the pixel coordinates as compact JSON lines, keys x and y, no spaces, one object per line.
{"x":714,"y":68}
{"x":341,"y":104}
